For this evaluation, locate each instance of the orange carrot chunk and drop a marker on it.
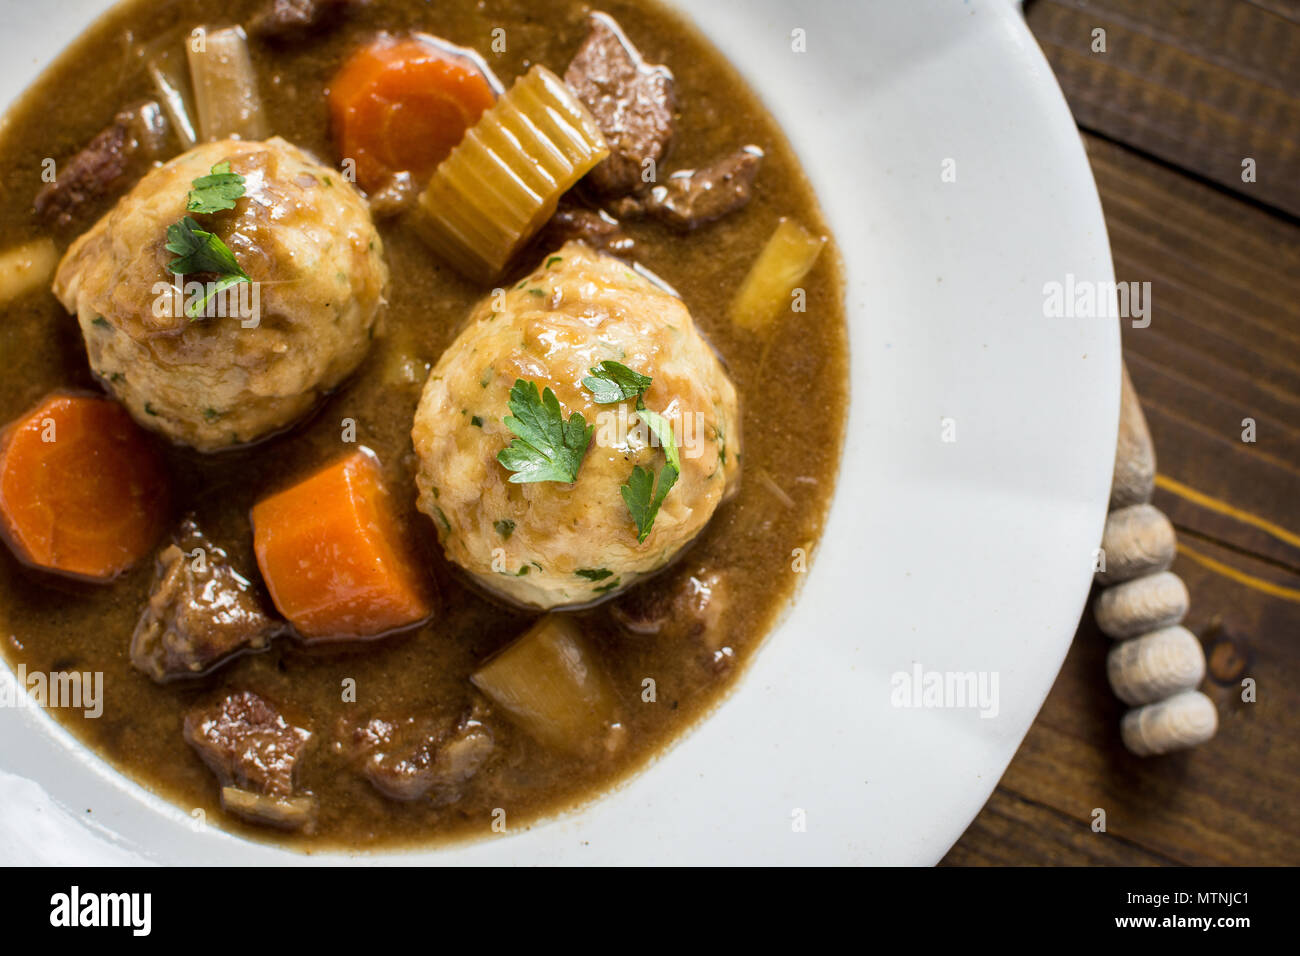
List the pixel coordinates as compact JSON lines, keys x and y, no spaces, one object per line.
{"x":333,"y":555}
{"x":83,"y":491}
{"x":402,"y":105}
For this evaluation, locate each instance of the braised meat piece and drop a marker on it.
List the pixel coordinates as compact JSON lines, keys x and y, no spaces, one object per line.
{"x":254,"y":751}
{"x":412,"y":757}
{"x":201,"y":611}
{"x":294,"y":19}
{"x":396,"y":197}
{"x":692,"y":609}
{"x":692,"y":197}
{"x":595,"y":227}
{"x":246,"y":742}
{"x":123,"y":150}
{"x":631,"y":101}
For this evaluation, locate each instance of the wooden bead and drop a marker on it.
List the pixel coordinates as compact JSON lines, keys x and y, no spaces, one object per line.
{"x":1176,"y":723}
{"x":1156,"y":665}
{"x":1142,"y":597}
{"x":1138,"y":540}
{"x":1141,"y":605}
{"x":1134,"y":477}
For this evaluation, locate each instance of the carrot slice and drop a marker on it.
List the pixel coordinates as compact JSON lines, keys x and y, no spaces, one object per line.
{"x":333,"y":555}
{"x":83,"y":490}
{"x":402,"y":105}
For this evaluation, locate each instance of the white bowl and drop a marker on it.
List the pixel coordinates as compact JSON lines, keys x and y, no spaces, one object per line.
{"x":971,"y":555}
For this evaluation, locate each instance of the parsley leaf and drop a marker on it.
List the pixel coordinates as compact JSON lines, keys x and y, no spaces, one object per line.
{"x":611,"y":382}
{"x":217,"y":191}
{"x":663,"y":432}
{"x":639,"y":493}
{"x":201,"y":251}
{"x":546,"y":447}
{"x":643,"y":500}
{"x":594,"y":574}
{"x":442,"y":519}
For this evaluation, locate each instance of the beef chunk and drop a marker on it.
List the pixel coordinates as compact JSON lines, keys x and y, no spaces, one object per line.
{"x":595,"y":227}
{"x":200,"y":612}
{"x":692,"y":197}
{"x":396,"y":197}
{"x":412,"y":757}
{"x":631,"y":101}
{"x":253,"y":751}
{"x":136,"y":137}
{"x":628,"y":207}
{"x":294,"y":19}
{"x":692,"y":609}
{"x":247,"y":743}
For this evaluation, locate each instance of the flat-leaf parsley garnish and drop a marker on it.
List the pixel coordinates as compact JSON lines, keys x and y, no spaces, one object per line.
{"x":643,"y":500}
{"x":663,"y":432}
{"x":545,"y":447}
{"x":202,"y":251}
{"x":217,"y":191}
{"x":640,"y":493}
{"x":611,"y":382}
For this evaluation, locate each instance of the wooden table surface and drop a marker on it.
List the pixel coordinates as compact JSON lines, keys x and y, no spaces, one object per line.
{"x":1184,"y":94}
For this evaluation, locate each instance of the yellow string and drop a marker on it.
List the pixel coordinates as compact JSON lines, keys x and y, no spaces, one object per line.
{"x":1241,"y":577}
{"x":1222,"y":507}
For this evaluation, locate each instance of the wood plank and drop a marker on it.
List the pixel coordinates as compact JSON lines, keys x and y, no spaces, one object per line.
{"x":1201,"y":86}
{"x":1223,"y":344}
{"x":1214,"y":462}
{"x":1013,"y":831}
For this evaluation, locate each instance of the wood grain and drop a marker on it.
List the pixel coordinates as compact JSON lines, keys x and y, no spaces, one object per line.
{"x":1184,"y":91}
{"x":1201,"y":84}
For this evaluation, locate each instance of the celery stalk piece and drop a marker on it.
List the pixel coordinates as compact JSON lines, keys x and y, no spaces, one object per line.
{"x":502,"y":181}
{"x":26,"y":267}
{"x":786,"y":258}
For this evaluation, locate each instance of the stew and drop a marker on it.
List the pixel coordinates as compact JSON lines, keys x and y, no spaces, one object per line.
{"x":446,"y":399}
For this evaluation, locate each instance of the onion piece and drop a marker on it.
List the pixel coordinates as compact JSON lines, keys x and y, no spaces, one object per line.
{"x":287,"y":813}
{"x":172,"y":86}
{"x":225,"y":85}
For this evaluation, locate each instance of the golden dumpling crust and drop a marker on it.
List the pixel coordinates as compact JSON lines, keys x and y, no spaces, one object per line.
{"x":528,"y":542}
{"x":302,"y":233}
